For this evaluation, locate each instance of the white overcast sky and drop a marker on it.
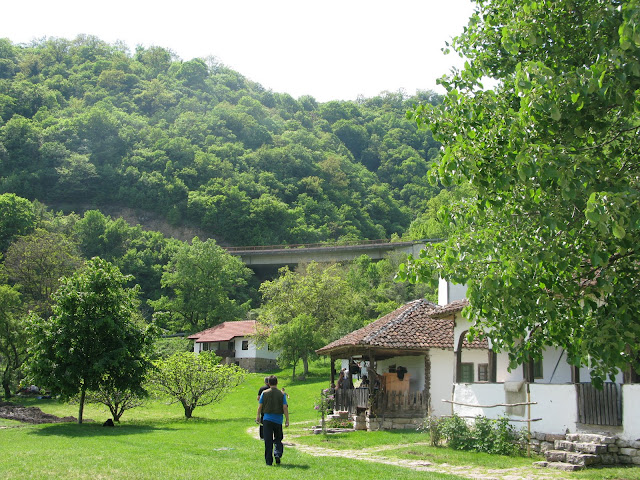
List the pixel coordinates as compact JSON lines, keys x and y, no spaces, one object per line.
{"x":330,"y":49}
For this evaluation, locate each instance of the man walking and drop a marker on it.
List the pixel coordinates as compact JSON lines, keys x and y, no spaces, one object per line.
{"x":272,"y":406}
{"x":260,"y":390}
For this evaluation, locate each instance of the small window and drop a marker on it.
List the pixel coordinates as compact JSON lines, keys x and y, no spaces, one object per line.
{"x":231,"y":346}
{"x":245,"y":344}
{"x":483,"y":372}
{"x":205,"y":346}
{"x":537,"y":368}
{"x":267,"y":347}
{"x":466,"y":373}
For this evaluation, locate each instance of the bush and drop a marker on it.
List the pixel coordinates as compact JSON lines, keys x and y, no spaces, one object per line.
{"x":485,"y":435}
{"x":433,"y":426}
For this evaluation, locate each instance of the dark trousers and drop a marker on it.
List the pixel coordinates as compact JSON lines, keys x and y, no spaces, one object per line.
{"x":272,"y":437}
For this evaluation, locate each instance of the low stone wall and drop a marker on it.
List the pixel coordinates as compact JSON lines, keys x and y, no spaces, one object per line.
{"x":255,"y":365}
{"x":605,"y":449}
{"x":389,"y":422}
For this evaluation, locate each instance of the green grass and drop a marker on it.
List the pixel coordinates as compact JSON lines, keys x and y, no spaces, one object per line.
{"x":157,"y":442}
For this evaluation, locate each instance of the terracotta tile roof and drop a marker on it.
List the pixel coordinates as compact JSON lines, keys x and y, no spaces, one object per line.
{"x":450,"y":308}
{"x":417,"y":325}
{"x":226,"y":331}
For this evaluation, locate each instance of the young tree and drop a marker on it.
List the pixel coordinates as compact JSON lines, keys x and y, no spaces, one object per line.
{"x":293,"y":340}
{"x":116,"y":399}
{"x":92,"y":339}
{"x":549,"y":247}
{"x":205,"y":282}
{"x":195,"y":379}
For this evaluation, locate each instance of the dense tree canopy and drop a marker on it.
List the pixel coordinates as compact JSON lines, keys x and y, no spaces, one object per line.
{"x":549,"y":245}
{"x":82,"y":121}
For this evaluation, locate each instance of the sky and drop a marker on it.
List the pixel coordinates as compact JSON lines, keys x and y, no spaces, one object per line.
{"x":329,"y":49}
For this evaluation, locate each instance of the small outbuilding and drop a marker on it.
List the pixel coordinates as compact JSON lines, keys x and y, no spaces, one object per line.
{"x":235,"y":343}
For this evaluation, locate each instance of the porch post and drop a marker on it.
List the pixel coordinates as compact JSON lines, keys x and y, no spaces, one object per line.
{"x":575,"y":374}
{"x":493,"y":367}
{"x":333,"y":371}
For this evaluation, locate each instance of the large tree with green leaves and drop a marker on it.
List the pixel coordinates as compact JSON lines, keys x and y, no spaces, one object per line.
{"x":205,"y":284}
{"x":549,"y":246}
{"x":93,"y":338}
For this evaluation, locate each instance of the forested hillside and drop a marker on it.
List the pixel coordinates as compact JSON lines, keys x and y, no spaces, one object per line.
{"x":86,"y":123}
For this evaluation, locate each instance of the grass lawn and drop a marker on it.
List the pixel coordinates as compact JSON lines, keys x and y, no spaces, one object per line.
{"x":156,"y":441}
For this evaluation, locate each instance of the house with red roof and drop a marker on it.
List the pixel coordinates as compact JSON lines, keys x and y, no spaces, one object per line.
{"x":235,"y":343}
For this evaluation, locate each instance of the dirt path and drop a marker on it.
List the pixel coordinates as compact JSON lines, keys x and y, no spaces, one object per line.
{"x":373,"y":454}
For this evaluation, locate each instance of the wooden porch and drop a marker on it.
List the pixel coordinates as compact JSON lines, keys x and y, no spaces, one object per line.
{"x":358,"y":400}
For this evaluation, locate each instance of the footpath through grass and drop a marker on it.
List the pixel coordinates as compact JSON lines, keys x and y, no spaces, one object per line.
{"x":157,"y":442}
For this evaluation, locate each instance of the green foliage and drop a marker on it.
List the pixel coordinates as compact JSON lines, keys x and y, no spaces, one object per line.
{"x":196,"y":142}
{"x":17,"y":217}
{"x":548,"y":242}
{"x":12,"y":345}
{"x":195,"y":379}
{"x":92,"y":339}
{"x":485,"y":435}
{"x":206,"y":287}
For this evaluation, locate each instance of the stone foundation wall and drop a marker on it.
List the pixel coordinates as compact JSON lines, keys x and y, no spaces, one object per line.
{"x":389,"y":422}
{"x":608,"y":450}
{"x":255,"y":365}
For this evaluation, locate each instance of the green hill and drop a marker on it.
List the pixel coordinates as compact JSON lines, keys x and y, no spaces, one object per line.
{"x":85,"y":124}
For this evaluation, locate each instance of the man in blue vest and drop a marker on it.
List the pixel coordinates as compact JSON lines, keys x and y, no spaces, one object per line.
{"x":272,"y":406}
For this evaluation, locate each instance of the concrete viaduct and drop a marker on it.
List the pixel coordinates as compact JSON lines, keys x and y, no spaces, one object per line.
{"x":262,"y":256}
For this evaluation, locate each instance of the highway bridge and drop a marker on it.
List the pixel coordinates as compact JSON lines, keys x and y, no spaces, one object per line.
{"x":272,"y":255}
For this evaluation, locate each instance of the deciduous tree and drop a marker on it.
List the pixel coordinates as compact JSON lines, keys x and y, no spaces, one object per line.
{"x":195,"y":379}
{"x":549,"y":247}
{"x":93,"y":338}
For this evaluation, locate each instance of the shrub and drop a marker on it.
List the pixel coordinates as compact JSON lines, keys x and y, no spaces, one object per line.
{"x":496,"y":436}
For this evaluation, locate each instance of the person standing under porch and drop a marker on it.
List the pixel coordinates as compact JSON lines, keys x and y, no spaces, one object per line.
{"x":272,"y":406}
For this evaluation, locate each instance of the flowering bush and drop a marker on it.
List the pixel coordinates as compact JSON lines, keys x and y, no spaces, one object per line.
{"x":325,"y":403}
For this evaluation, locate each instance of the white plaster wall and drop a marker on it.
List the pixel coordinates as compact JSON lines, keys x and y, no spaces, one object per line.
{"x":448,"y":292}
{"x":630,"y":416}
{"x":555,"y":404}
{"x":461,"y":325}
{"x":253,"y":351}
{"x":585,"y":376}
{"x":442,"y":363}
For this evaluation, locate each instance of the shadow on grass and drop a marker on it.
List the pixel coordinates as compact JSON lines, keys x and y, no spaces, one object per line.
{"x":292,"y":466}
{"x":75,"y":430}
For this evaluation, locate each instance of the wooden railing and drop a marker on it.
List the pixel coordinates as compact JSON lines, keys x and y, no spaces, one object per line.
{"x":352,"y":400}
{"x":599,"y":407}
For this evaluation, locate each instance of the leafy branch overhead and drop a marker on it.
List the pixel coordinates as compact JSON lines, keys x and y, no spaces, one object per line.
{"x":549,"y":244}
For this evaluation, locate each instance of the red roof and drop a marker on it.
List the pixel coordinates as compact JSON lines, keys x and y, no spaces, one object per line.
{"x":417,"y":325}
{"x":226,"y":331}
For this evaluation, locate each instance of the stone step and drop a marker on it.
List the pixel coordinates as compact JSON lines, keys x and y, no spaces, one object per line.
{"x":575,"y":458}
{"x":593,"y":448}
{"x":565,"y":467}
{"x":591,"y":438}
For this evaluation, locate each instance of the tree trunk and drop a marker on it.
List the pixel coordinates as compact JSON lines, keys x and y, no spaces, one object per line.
{"x":305,"y":366}
{"x":6,"y":384}
{"x":83,"y":392}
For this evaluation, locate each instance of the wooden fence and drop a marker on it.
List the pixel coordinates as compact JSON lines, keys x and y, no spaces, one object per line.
{"x":352,"y":400}
{"x":599,"y":407}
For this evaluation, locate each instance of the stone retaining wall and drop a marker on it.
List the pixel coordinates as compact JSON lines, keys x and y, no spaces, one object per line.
{"x":609,"y":449}
{"x":387,"y":422}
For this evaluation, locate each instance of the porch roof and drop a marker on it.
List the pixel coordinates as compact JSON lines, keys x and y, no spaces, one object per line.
{"x":414,"y":327}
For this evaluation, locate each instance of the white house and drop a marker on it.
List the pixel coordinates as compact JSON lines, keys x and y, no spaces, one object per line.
{"x":234,"y":342}
{"x":556,"y":397}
